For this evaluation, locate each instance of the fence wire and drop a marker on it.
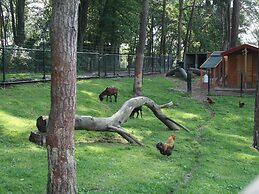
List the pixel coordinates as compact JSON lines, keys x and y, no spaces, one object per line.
{"x":20,"y":64}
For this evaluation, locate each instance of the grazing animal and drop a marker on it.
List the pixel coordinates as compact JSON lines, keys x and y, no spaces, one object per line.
{"x":109,"y":92}
{"x":241,"y":104}
{"x":167,"y":148}
{"x":210,"y":101}
{"x":136,"y":110}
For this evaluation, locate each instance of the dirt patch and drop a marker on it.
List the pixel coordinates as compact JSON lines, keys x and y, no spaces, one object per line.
{"x":199,"y":90}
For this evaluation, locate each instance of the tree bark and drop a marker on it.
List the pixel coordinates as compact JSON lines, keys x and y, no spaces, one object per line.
{"x":13,"y":19}
{"x":2,"y":28}
{"x":20,"y":33}
{"x":225,"y":20}
{"x":179,"y":34}
{"x":82,"y":22}
{"x":60,"y":138}
{"x":140,"y":50}
{"x":163,"y":35}
{"x":115,"y":122}
{"x":235,"y":23}
{"x":98,"y":40}
{"x":189,"y":29}
{"x":256,"y":113}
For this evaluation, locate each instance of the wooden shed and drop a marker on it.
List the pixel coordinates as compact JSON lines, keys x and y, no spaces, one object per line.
{"x":213,"y":66}
{"x":194,"y":60}
{"x":240,"y":66}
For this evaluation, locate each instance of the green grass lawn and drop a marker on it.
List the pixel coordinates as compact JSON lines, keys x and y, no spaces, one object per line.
{"x":215,"y":157}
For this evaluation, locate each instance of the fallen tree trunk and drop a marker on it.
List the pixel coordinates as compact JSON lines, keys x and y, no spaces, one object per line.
{"x":178,"y":72}
{"x":113,"y":123}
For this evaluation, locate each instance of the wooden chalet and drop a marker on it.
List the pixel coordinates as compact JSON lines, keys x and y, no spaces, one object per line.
{"x":240,"y":66}
{"x":233,"y":68}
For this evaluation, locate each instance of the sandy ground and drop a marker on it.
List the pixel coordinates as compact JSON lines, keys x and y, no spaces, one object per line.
{"x":200,"y":90}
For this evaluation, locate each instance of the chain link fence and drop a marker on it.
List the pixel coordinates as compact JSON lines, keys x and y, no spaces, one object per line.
{"x":31,"y":65}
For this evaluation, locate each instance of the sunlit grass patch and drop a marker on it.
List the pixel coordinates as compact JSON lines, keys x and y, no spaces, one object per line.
{"x":215,"y":157}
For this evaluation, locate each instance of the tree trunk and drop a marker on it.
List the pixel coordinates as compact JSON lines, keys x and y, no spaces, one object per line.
{"x":60,"y":139}
{"x":82,"y":21}
{"x":151,"y":37}
{"x":2,"y":23}
{"x":98,"y":42}
{"x":113,"y":123}
{"x":235,"y":23}
{"x":225,"y":20}
{"x":13,"y":19}
{"x":140,"y":50}
{"x":189,"y":29}
{"x":256,"y":114}
{"x":20,"y":31}
{"x":162,"y":41}
{"x":179,"y":34}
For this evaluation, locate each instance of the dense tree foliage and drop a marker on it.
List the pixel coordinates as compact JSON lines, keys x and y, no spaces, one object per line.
{"x":205,"y":25}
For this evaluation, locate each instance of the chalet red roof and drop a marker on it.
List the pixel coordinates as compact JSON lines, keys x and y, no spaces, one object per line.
{"x":240,"y":48}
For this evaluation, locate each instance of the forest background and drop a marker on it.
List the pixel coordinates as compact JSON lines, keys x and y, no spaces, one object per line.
{"x":111,"y":26}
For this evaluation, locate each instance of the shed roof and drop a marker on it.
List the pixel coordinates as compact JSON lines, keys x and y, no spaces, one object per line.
{"x":240,"y":48}
{"x":213,"y":61}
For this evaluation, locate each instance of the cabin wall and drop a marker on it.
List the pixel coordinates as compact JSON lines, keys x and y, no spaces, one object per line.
{"x":236,"y":67}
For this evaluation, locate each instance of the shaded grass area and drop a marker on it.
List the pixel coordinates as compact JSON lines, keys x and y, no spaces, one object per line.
{"x":216,"y":157}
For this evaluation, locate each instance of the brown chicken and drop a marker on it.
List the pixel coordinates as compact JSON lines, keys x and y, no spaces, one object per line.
{"x":210,"y":101}
{"x":241,"y":104}
{"x":167,"y":148}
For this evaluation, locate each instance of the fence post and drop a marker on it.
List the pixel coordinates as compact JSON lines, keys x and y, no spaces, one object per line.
{"x":209,"y":82}
{"x":152,"y":63}
{"x":91,"y":65}
{"x":99,"y":64}
{"x":164,"y":59}
{"x":3,"y":58}
{"x":189,"y":80}
{"x":241,"y":84}
{"x":105,"y":65}
{"x":114,"y":63}
{"x":160,"y":62}
{"x":169,"y":63}
{"x":43,"y":60}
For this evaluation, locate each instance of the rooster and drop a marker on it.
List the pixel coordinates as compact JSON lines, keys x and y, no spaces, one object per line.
{"x":167,"y":148}
{"x":241,"y":104}
{"x":210,"y":101}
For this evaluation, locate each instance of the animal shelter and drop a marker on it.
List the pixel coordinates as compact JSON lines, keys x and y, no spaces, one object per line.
{"x":240,"y":66}
{"x":234,"y":68}
{"x":194,"y":60}
{"x":213,"y":66}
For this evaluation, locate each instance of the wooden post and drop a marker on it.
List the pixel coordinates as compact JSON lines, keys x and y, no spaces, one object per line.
{"x":43,"y":57}
{"x":99,"y":65}
{"x":201,"y":75}
{"x":224,"y":72}
{"x":189,"y":80}
{"x":241,"y":84}
{"x":245,"y":76}
{"x":208,"y":81}
{"x":3,"y":58}
{"x":214,"y":76}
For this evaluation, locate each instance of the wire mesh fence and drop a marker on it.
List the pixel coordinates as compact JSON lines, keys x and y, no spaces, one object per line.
{"x":20,"y":64}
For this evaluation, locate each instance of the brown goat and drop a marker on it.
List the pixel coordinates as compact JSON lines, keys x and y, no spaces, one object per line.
{"x":109,"y":92}
{"x":136,"y":110}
